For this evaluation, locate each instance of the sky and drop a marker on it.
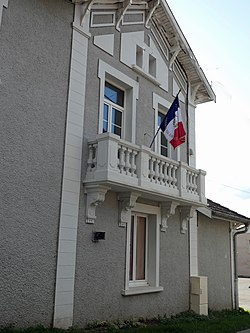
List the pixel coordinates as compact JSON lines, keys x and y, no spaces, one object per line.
{"x":218,"y":32}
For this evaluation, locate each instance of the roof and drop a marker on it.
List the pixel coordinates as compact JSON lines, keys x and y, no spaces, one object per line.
{"x":170,"y":30}
{"x":167,"y":28}
{"x":226,"y":213}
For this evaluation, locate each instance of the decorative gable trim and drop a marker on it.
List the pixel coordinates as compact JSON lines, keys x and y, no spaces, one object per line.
{"x":3,"y":3}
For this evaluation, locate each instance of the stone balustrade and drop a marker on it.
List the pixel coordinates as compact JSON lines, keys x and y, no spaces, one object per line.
{"x":118,"y":162}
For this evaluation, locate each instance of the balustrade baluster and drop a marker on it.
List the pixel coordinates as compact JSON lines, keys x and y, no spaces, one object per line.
{"x":127,"y":163}
{"x":165,"y":174}
{"x":90,"y":163}
{"x":133,"y":165}
{"x":170,"y":175}
{"x":121,"y":162}
{"x":156,"y":177}
{"x":151,"y":168}
{"x":161,"y":172}
{"x":174,"y":176}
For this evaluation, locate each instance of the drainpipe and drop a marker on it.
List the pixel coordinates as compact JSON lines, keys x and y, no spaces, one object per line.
{"x":236,"y":292}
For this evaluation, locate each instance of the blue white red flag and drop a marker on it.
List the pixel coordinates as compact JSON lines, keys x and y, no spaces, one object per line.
{"x":172,"y":125}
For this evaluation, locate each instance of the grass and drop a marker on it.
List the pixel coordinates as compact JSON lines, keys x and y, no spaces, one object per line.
{"x":216,"y":322}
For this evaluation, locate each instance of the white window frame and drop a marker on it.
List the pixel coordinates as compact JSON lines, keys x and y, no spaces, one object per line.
{"x":159,"y":105}
{"x":134,"y":282}
{"x":142,"y":287}
{"x":131,"y":88}
{"x":112,"y":105}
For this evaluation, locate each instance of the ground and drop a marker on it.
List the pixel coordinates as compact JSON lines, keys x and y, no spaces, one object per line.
{"x":244,"y":293}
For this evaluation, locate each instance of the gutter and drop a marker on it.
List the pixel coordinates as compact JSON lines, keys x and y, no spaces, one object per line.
{"x":236,"y":291}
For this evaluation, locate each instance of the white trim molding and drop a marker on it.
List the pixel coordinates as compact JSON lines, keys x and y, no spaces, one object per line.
{"x":131,"y":88}
{"x":67,"y":239}
{"x":151,"y":285}
{"x":3,"y":3}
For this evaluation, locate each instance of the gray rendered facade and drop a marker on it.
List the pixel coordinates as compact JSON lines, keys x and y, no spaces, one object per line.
{"x":35,"y":47}
{"x":102,"y":265}
{"x":36,"y":74}
{"x":215,"y":260}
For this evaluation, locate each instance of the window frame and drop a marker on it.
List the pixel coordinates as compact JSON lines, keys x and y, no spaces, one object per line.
{"x":151,"y":284}
{"x":162,"y":105}
{"x":131,"y":88}
{"x":111,"y":105}
{"x":135,"y":282}
{"x":159,"y":138}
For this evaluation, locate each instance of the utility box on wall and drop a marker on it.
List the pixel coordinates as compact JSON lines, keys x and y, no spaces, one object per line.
{"x":199,"y":299}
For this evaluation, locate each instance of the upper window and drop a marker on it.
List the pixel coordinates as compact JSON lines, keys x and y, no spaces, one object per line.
{"x":162,"y":141}
{"x":117,"y":103}
{"x":113,"y":109}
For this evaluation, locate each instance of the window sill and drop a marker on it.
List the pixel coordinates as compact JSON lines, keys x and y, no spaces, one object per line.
{"x":141,"y":290}
{"x":150,"y":77}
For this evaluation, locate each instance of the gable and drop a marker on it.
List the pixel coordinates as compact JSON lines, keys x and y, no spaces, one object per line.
{"x":156,"y":16}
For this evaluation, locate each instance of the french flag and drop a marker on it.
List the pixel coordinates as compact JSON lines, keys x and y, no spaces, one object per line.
{"x":172,"y":125}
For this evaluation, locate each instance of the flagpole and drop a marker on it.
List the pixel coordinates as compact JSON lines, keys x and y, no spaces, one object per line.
{"x":160,"y":125}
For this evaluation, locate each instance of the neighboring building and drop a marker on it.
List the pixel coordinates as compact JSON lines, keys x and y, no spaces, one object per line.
{"x":243,"y":254}
{"x":96,"y":225}
{"x":217,"y":229}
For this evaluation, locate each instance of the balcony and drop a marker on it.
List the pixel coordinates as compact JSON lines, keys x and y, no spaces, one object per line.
{"x":123,"y":166}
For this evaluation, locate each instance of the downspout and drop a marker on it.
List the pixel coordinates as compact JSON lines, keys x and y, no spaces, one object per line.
{"x":236,"y":293}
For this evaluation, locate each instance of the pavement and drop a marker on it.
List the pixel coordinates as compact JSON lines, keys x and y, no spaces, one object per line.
{"x":244,"y":296}
{"x":244,"y":293}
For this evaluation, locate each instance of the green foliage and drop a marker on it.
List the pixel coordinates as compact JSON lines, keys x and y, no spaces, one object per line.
{"x":225,"y":321}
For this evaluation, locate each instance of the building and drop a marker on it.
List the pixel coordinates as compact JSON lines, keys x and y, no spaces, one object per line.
{"x":95,"y":224}
{"x":243,"y":250}
{"x":219,"y":229}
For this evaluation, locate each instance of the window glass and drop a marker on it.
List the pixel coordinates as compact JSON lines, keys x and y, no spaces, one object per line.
{"x":114,"y":94}
{"x":116,"y":125}
{"x":105,"y":118}
{"x":138,"y":234}
{"x":163,"y":141}
{"x":140,"y":248}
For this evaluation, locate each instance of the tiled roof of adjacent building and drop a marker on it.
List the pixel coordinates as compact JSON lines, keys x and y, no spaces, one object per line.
{"x":224,"y":212}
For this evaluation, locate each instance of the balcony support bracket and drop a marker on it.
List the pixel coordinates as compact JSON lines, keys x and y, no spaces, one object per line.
{"x":126,"y":201}
{"x":167,"y":210}
{"x":95,"y":195}
{"x":187,"y":212}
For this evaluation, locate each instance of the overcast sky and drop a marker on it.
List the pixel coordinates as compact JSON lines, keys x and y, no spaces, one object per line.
{"x":218,"y":32}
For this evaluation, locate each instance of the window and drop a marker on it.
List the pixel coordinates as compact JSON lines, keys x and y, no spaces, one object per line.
{"x":162,"y":146}
{"x":142,"y":253}
{"x":163,"y":143}
{"x":113,"y":109}
{"x":138,"y":250}
{"x":139,"y":56}
{"x":152,"y":66}
{"x":126,"y":92}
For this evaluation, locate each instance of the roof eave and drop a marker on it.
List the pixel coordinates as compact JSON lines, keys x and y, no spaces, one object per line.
{"x":189,"y":53}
